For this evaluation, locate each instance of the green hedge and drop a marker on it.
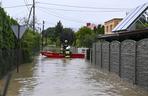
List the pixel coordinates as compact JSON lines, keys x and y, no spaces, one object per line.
{"x":8,"y":44}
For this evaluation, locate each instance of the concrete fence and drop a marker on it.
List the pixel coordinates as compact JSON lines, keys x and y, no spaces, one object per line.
{"x":128,"y":59}
{"x":114,"y":57}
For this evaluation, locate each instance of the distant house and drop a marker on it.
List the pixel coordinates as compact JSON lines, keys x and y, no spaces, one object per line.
{"x":110,"y":24}
{"x":91,"y":26}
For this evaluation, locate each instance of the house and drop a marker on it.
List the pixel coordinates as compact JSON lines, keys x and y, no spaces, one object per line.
{"x":136,"y":19}
{"x":91,"y":26}
{"x":133,"y":26}
{"x":111,"y":24}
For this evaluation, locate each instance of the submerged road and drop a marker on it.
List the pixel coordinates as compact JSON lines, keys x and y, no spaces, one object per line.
{"x":68,"y":77}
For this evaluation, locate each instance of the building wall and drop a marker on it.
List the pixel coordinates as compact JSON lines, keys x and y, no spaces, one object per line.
{"x":109,"y":25}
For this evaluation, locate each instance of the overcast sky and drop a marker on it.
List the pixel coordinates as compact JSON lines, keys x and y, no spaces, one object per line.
{"x":75,"y":13}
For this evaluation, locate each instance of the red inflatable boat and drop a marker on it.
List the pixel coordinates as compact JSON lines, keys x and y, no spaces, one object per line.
{"x":59,"y":55}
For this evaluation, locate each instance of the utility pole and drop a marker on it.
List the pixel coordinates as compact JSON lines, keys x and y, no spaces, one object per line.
{"x":29,"y":17}
{"x":33,"y":15}
{"x":43,"y":35}
{"x":1,"y":3}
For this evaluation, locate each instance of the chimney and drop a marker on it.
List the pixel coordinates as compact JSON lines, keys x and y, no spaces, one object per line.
{"x":88,"y":24}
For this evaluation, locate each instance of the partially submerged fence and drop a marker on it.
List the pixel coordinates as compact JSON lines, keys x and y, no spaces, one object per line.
{"x":128,"y":59}
{"x":9,"y":60}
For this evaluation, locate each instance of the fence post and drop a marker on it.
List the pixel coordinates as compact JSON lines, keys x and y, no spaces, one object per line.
{"x":91,"y":55}
{"x":109,"y":58}
{"x":120,"y":60}
{"x":101,"y":55}
{"x":95,"y":53}
{"x":135,"y":82}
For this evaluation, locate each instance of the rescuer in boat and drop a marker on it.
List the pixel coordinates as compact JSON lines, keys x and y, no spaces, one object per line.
{"x":66,"y":49}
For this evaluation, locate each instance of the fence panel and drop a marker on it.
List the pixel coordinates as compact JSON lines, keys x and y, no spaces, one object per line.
{"x":5,"y":56}
{"x":128,"y":60}
{"x":114,"y":56}
{"x":1,"y":63}
{"x":142,"y":63}
{"x":8,"y":58}
{"x":93,"y":53}
{"x":98,"y":54}
{"x":13,"y":58}
{"x":74,"y":50}
{"x":105,"y":55}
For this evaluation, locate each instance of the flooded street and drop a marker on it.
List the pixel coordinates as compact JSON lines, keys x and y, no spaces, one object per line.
{"x":67,"y":77}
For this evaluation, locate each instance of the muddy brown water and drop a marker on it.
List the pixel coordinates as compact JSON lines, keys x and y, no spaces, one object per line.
{"x":68,"y":77}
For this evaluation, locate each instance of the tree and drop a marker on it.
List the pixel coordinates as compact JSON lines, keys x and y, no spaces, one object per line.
{"x":58,"y":31}
{"x":85,"y":36}
{"x":68,"y":34}
{"x":8,"y":44}
{"x":99,"y":29}
{"x":24,"y":21}
{"x":82,"y":37}
{"x":7,"y":37}
{"x":53,"y":34}
{"x":50,"y":32}
{"x":30,"y":44}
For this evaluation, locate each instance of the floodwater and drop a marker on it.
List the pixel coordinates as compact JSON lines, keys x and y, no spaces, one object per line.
{"x":68,"y":77}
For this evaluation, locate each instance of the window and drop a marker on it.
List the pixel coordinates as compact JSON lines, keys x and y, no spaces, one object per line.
{"x":111,"y":28}
{"x":106,"y":28}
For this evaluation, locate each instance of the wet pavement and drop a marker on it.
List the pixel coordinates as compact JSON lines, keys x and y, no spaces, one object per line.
{"x":68,"y":77}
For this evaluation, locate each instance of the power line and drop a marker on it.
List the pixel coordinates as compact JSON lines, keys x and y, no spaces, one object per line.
{"x":81,"y":10}
{"x":18,"y":6}
{"x":64,"y":5}
{"x":28,"y":10}
{"x":33,"y":6}
{"x":98,"y":9}
{"x":26,"y":2}
{"x":29,"y":16}
{"x":53,"y":14}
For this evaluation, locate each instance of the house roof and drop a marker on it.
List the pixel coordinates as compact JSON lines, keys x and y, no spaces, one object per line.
{"x":113,"y":19}
{"x":120,"y":36}
{"x":132,"y":17}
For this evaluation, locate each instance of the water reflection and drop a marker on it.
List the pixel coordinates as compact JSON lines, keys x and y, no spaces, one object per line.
{"x":67,"y":77}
